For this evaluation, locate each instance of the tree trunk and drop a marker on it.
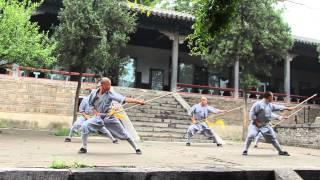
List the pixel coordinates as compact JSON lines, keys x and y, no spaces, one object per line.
{"x":76,"y":99}
{"x":245,"y":116}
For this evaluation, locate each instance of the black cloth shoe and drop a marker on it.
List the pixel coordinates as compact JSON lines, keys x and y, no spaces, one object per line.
{"x":67,"y":140}
{"x":188,"y":144}
{"x":284,"y":153}
{"x":82,"y":150}
{"x":219,"y":145}
{"x":115,"y":141}
{"x":138,"y":151}
{"x":245,"y":153}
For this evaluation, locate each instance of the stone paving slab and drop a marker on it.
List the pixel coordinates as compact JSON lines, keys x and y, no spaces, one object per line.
{"x":37,"y":149}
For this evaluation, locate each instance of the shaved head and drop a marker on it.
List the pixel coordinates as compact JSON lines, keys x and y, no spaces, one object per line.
{"x":203,"y":101}
{"x":105,"y":84}
{"x":203,"y":98}
{"x":105,"y":79}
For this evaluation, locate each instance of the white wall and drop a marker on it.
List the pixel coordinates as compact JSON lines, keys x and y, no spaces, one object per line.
{"x":153,"y":58}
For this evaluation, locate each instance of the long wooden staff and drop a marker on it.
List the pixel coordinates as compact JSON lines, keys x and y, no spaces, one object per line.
{"x":295,"y":112}
{"x":305,"y":100}
{"x":146,"y":101}
{"x":221,"y":114}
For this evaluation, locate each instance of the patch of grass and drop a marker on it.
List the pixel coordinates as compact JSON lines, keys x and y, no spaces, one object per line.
{"x":4,"y":123}
{"x":59,"y":164}
{"x":80,"y":165}
{"x":63,"y":132}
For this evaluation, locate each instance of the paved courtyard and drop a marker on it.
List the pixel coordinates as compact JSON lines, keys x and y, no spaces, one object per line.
{"x":38,"y":149}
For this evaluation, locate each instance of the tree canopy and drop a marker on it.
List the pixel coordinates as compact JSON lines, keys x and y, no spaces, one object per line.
{"x":214,"y":15}
{"x":91,"y":34}
{"x":257,"y":37}
{"x":21,"y":41}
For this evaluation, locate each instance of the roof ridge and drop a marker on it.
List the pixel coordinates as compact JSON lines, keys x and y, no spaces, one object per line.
{"x":306,"y":40}
{"x":162,"y":12}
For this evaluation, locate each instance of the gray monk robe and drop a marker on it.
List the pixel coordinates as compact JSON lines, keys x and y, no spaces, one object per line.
{"x":200,"y":113}
{"x":260,"y":115}
{"x":83,"y":108}
{"x":110,"y":126}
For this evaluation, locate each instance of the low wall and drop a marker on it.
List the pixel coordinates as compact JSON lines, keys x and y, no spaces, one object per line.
{"x":96,"y":174}
{"x":301,"y":135}
{"x":34,"y":99}
{"x":37,"y":95}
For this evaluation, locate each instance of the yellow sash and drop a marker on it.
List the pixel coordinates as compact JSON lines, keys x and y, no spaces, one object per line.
{"x":217,"y":122}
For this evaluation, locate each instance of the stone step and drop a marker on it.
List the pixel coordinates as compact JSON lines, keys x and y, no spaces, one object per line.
{"x":186,"y":121}
{"x":140,"y":114}
{"x":146,"y":119}
{"x":168,"y":108}
{"x":158,"y":120}
{"x":160,"y":129}
{"x":158,"y":110}
{"x":161,"y":116}
{"x":158,"y":115}
{"x":159,"y":124}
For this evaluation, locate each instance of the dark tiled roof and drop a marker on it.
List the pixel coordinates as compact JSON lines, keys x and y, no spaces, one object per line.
{"x":188,"y":17}
{"x":162,"y":12}
{"x":305,"y":40}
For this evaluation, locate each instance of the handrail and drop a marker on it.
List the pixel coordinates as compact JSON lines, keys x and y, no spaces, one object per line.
{"x":67,"y":73}
{"x":240,"y":90}
{"x":204,"y":86}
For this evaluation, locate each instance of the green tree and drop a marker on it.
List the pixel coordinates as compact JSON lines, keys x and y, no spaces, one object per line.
{"x":256,"y":39}
{"x":145,"y":2}
{"x":212,"y":15}
{"x":21,"y":41}
{"x":185,"y":6}
{"x":91,"y":34}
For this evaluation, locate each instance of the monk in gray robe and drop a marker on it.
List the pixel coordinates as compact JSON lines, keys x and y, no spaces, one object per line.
{"x":199,"y":113}
{"x":101,"y":100}
{"x":260,"y":116}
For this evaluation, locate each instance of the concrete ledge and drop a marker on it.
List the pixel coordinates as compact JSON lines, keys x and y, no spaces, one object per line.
{"x":122,"y":173}
{"x":133,"y":174}
{"x":34,"y":174}
{"x":309,"y":174}
{"x":286,"y":174}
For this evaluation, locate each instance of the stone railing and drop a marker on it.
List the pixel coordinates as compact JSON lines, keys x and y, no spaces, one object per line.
{"x":228,"y":92}
{"x":24,"y":71}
